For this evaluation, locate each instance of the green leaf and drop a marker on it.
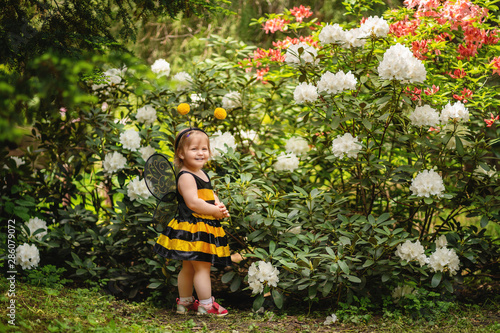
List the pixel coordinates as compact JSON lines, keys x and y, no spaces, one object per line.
{"x":343,"y":266}
{"x":257,"y":303}
{"x":278,"y":298}
{"x":235,"y":285}
{"x":367,"y":123}
{"x":353,"y":278}
{"x":272,"y":247}
{"x":436,"y":279}
{"x":227,"y":277}
{"x":154,"y":285}
{"x":460,"y":146}
{"x":484,"y":221}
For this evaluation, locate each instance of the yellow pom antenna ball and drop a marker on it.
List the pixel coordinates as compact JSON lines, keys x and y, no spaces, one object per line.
{"x":220,"y":113}
{"x":183,"y":108}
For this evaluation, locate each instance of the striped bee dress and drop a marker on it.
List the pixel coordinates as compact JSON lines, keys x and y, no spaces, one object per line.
{"x":192,"y":236}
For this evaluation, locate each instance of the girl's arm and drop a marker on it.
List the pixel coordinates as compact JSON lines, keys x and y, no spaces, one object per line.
{"x":189,"y":191}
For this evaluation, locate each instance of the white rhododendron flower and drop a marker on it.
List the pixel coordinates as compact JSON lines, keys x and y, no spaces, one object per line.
{"x":402,"y":291}
{"x":36,"y":223}
{"x":336,"y":83}
{"x":297,"y":145}
{"x":330,"y":319}
{"x":455,"y":112}
{"x":260,"y":274}
{"x":27,"y":256}
{"x":482,"y":173}
{"x":375,"y":26}
{"x":183,"y":80}
{"x":231,"y":100}
{"x":146,"y":152}
{"x":412,"y":251}
{"x":305,"y":93}
{"x":354,"y":38}
{"x":399,"y":64}
{"x":308,"y":54}
{"x":137,"y":189}
{"x":331,"y":34}
{"x":345,"y":145}
{"x":130,"y":139}
{"x":161,"y":67}
{"x":249,"y":136}
{"x":222,"y":141}
{"x":286,"y":162}
{"x":427,"y":183}
{"x":112,"y":76}
{"x":424,"y":116}
{"x":444,"y":258}
{"x":441,"y":242}
{"x":196,"y":99}
{"x":146,"y":115}
{"x":113,"y":162}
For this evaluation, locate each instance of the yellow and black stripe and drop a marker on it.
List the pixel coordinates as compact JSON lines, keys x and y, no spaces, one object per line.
{"x":192,"y":236}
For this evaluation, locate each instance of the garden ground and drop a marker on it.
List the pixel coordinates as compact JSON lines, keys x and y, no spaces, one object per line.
{"x":82,"y":310}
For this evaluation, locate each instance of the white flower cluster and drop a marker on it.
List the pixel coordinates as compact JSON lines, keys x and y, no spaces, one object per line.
{"x":221,"y":142}
{"x":375,"y":26}
{"x":455,"y":112}
{"x":231,"y":100}
{"x":27,"y":256}
{"x":330,"y":319}
{"x":427,"y":183}
{"x":249,"y":135}
{"x":137,"y":189}
{"x":297,"y":145}
{"x":345,"y":145}
{"x":113,"y":162}
{"x":36,"y":223}
{"x":146,"y":115}
{"x":262,"y":273}
{"x":399,"y":63}
{"x":146,"y":152}
{"x":308,"y":55}
{"x":482,"y":173}
{"x":197,"y":99}
{"x":183,"y":80}
{"x":161,"y":67}
{"x":444,"y":258}
{"x":130,"y":139}
{"x":412,"y":251}
{"x":288,"y":162}
{"x":336,"y":83}
{"x":401,"y":291}
{"x":424,"y":116}
{"x":335,"y":34}
{"x":331,"y":34}
{"x":305,"y":93}
{"x":112,"y":76}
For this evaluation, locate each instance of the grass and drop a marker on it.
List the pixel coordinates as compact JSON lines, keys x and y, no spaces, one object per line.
{"x":41,"y":309}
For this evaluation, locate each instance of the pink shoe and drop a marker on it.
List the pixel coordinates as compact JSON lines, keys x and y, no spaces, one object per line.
{"x":213,"y":309}
{"x":183,"y":308}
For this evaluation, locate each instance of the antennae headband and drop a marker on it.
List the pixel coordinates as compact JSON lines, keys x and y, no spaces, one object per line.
{"x":178,"y":139}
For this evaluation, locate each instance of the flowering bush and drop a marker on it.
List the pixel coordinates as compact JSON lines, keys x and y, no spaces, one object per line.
{"x":343,"y":155}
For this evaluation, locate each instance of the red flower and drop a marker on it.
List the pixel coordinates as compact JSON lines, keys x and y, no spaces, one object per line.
{"x":457,"y":74}
{"x":490,"y":122}
{"x":261,"y":73}
{"x":431,"y":91}
{"x":274,"y":25}
{"x":496,"y":65}
{"x":466,"y":93}
{"x":301,"y":12}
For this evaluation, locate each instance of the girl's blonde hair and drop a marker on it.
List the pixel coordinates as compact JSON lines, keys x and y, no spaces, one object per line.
{"x":183,"y":139}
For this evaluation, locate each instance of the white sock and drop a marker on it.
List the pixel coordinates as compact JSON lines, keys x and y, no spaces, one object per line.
{"x":207,"y":301}
{"x":186,"y":300}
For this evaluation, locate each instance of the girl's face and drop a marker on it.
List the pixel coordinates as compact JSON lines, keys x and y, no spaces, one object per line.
{"x":195,"y":152}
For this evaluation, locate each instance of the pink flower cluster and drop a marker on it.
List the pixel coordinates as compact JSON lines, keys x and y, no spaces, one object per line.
{"x":276,"y":24}
{"x":301,"y":12}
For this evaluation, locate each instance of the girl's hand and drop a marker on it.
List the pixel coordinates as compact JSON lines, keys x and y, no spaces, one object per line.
{"x":223,"y":209}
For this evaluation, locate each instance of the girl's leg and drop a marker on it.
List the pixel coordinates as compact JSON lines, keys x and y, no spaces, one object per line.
{"x":202,"y":281}
{"x":185,"y":279}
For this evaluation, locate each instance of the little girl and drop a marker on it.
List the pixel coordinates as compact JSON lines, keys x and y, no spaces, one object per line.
{"x":195,"y":235}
